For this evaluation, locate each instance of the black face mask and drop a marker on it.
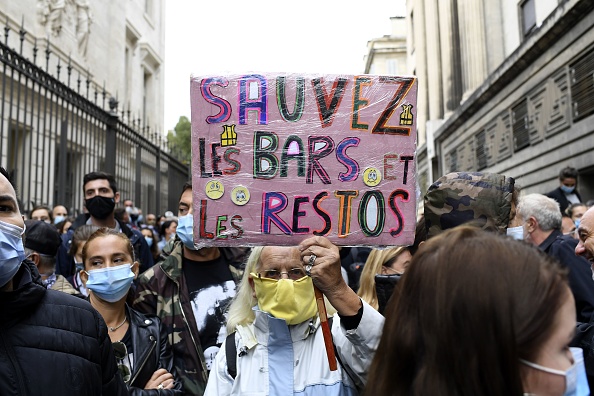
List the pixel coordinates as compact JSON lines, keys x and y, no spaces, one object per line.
{"x":100,"y":207}
{"x":384,"y":288}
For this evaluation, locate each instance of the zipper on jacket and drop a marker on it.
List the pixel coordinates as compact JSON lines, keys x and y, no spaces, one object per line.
{"x":201,"y":360}
{"x":144,"y":361}
{"x":14,"y":363}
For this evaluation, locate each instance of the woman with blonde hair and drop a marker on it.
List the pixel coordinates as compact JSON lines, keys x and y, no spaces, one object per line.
{"x":382,"y":270}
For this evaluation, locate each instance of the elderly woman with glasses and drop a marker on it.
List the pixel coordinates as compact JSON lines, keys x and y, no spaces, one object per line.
{"x":142,"y":353}
{"x":276,"y":343}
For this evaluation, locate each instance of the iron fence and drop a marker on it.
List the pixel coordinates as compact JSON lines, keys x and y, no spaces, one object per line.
{"x":55,"y":128}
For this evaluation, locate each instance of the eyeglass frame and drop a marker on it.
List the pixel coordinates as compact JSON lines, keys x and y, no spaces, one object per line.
{"x":280,"y":274}
{"x":122,"y":368}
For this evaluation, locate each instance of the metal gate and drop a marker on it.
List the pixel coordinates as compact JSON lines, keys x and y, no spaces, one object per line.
{"x":55,"y":128}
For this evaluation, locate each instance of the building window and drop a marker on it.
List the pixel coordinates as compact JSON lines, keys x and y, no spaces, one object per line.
{"x":582,"y":86}
{"x":148,"y":8}
{"x":454,"y":160}
{"x":528,"y":12}
{"x":18,"y":152}
{"x":392,"y":66}
{"x":412,"y":32}
{"x":148,"y":96}
{"x":481,"y":150}
{"x":520,"y":125}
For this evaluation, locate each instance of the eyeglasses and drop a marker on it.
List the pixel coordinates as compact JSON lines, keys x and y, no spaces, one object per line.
{"x":293,"y":274}
{"x":121,"y":352}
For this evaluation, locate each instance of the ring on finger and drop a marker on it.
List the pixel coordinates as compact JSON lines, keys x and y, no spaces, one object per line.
{"x":310,"y":263}
{"x":160,"y":386}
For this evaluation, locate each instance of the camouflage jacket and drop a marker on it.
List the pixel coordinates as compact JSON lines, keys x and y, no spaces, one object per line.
{"x":162,"y":291}
{"x":483,"y":199}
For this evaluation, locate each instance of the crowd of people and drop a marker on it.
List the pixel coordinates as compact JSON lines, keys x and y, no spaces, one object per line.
{"x":494,"y":297}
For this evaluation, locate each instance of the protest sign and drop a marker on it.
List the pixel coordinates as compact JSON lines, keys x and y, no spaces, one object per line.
{"x":279,"y":157}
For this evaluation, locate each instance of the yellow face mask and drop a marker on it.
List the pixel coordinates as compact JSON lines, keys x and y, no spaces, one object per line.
{"x":293,"y":301}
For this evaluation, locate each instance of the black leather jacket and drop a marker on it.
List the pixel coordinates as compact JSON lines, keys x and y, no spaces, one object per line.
{"x":151,"y":352}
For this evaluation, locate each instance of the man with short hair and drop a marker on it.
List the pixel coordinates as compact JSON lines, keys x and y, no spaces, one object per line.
{"x":567,"y":192}
{"x":584,"y":337}
{"x":101,"y":196}
{"x":585,"y":234}
{"x":52,"y":343}
{"x":43,"y":213}
{"x":134,"y":213}
{"x":190,"y":291}
{"x":541,"y":219}
{"x":60,"y":213}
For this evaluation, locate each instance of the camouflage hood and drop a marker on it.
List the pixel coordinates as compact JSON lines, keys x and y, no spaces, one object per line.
{"x":462,"y":197}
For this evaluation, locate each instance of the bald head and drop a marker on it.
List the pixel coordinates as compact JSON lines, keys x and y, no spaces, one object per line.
{"x":585,"y":233}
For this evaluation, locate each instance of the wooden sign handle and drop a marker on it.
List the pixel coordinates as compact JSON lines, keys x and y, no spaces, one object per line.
{"x":326,"y":329}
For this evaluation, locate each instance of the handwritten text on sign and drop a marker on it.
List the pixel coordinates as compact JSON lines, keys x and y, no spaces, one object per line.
{"x":281,"y":155}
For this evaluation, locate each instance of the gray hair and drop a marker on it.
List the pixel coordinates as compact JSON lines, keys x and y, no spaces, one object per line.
{"x":45,"y":261}
{"x":544,"y":209}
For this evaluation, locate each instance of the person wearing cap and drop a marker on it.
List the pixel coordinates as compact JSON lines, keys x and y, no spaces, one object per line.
{"x":52,"y":343}
{"x":42,"y":241}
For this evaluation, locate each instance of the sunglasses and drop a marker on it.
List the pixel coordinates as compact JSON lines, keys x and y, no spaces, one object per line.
{"x":121,"y":352}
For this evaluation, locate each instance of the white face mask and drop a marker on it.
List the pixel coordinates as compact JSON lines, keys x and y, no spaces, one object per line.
{"x":576,"y":382}
{"x":516,"y":232}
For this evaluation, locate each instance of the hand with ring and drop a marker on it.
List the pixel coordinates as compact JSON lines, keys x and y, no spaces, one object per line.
{"x":310,"y":263}
{"x":161,"y":379}
{"x":321,"y":260}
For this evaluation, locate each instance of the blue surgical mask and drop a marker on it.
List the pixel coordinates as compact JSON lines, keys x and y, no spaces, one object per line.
{"x":577,"y":223}
{"x":12,"y":251}
{"x":516,"y":232}
{"x":149,"y":241}
{"x":567,"y":190}
{"x":58,"y":219}
{"x":110,"y":283}
{"x":576,"y":382}
{"x":185,"y":230}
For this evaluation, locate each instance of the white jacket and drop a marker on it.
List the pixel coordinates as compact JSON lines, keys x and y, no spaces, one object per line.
{"x":291,"y":360}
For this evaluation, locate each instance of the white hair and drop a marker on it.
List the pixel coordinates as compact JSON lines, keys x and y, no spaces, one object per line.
{"x":544,"y":209}
{"x":240,"y":310}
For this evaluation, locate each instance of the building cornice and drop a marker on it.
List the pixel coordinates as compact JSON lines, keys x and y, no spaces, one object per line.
{"x":564,"y":18}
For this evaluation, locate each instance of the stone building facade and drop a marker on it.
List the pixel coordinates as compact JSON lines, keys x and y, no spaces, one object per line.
{"x":118,"y":44}
{"x":504,"y":86}
{"x":387,"y":54}
{"x":83,"y":90}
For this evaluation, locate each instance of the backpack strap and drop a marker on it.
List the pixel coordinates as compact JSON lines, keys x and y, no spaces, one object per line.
{"x":231,"y":354}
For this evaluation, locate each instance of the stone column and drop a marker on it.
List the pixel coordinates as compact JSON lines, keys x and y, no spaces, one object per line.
{"x":450,"y":56}
{"x":472,"y":45}
{"x":432,"y":39}
{"x":420,"y":54}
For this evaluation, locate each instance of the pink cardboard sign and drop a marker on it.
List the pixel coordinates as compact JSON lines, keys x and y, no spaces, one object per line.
{"x":280,"y":157}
